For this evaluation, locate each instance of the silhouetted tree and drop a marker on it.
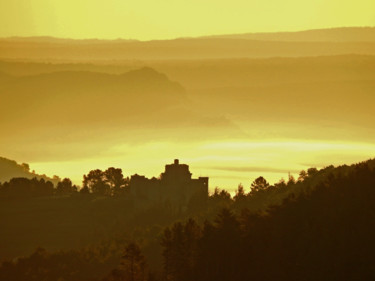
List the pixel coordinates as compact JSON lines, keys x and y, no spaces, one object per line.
{"x":259,"y":184}
{"x":240,"y":198}
{"x":96,"y":182}
{"x":133,"y":263}
{"x":291,"y":180}
{"x":166,"y":242}
{"x":84,"y":190}
{"x":312,"y":171}
{"x":116,"y":181}
{"x":23,"y":187}
{"x":65,"y":187}
{"x":302,"y":175}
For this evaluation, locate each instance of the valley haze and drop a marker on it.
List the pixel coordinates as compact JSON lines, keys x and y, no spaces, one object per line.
{"x":233,"y":106}
{"x":187,"y":140}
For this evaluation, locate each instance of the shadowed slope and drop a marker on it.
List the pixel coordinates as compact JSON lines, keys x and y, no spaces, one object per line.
{"x":11,"y":169}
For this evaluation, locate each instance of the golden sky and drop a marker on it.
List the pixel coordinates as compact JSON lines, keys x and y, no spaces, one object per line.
{"x":227,"y":163}
{"x":162,"y":19}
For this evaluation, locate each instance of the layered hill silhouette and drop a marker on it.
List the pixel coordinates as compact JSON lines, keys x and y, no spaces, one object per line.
{"x":89,"y":97}
{"x":11,"y":169}
{"x":243,"y":103}
{"x":342,"y":34}
{"x":309,"y":43}
{"x":315,"y":91}
{"x":79,"y":106}
{"x":67,"y":97}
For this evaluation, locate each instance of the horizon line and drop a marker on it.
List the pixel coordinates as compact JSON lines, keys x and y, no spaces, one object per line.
{"x":182,"y":37}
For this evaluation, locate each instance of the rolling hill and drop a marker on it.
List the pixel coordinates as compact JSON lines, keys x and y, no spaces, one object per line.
{"x":11,"y":169}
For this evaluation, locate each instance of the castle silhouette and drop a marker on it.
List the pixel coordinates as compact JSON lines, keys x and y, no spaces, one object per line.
{"x":175,"y":186}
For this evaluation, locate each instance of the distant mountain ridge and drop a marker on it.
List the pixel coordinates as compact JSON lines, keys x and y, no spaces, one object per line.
{"x":341,"y":34}
{"x":258,"y":45}
{"x":136,"y":79}
{"x":91,"y":92}
{"x":11,"y":169}
{"x":75,"y":106}
{"x":51,"y":39}
{"x":336,"y":34}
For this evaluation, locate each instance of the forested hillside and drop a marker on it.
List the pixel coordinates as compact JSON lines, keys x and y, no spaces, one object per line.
{"x":317,"y":227}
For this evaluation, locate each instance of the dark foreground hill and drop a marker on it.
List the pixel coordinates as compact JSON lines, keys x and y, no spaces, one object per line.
{"x":319,"y":227}
{"x":322,"y":234}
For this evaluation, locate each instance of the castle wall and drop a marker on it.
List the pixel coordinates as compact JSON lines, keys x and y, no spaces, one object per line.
{"x":175,"y":186}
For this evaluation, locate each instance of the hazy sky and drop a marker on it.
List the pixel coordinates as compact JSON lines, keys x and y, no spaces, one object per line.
{"x":227,"y":163}
{"x":161,"y":19}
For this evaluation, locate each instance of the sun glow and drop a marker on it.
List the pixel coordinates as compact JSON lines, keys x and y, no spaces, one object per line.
{"x":227,"y":163}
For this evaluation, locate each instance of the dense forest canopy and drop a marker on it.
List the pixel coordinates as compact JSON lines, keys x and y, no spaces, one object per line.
{"x":316,"y":227}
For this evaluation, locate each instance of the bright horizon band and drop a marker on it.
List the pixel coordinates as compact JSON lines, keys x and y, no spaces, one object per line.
{"x":148,"y":20}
